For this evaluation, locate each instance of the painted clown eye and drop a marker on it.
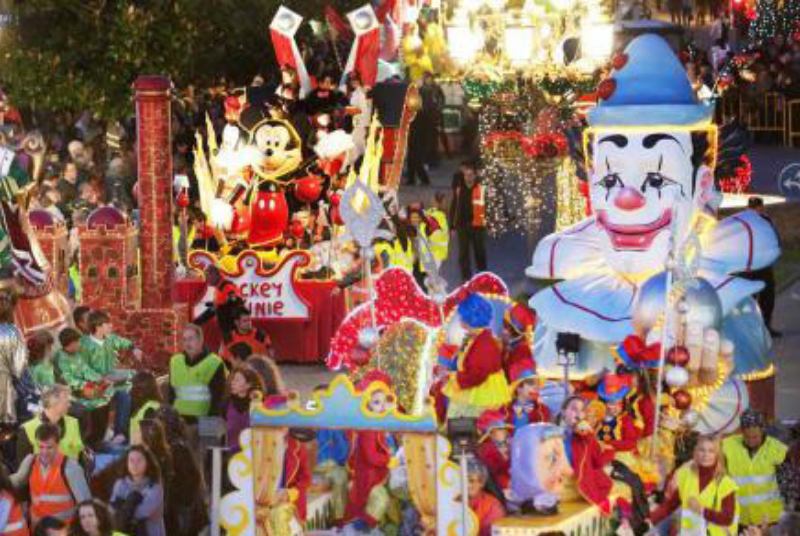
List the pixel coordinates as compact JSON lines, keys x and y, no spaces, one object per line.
{"x":610,"y":181}
{"x":656,"y":180}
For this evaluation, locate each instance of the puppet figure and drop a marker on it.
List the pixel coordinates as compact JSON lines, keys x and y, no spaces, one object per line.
{"x":539,"y":468}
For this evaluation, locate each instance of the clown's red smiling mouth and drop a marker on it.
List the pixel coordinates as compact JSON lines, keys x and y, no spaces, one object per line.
{"x":638,"y":237}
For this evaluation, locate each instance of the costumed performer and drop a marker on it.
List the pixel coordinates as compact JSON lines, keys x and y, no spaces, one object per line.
{"x":494,"y":449}
{"x":478,"y":381}
{"x":370,"y":460}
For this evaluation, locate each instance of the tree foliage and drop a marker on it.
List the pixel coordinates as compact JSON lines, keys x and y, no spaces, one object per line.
{"x":72,"y":55}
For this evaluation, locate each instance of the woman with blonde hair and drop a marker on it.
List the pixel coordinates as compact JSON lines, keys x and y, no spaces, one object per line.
{"x":704,"y":493}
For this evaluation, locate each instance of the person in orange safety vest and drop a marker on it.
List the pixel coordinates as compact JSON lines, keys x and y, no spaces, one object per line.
{"x":468,"y":218}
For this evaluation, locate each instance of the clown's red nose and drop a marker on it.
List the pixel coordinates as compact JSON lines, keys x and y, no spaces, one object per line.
{"x":629,"y":199}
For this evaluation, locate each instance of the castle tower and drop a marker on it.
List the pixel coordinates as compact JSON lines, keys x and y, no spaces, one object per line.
{"x":155,"y":189}
{"x":53,"y":238}
{"x":109,"y":261}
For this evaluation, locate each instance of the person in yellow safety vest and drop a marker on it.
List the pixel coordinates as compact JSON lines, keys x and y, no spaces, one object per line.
{"x":704,"y":493}
{"x":436,"y":229}
{"x":197,"y":378}
{"x":56,"y":401}
{"x":145,"y":402}
{"x":56,"y":483}
{"x":753,"y":459}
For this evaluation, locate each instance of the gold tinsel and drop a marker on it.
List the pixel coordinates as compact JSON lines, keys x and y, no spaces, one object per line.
{"x":570,"y":204}
{"x":400,"y":353}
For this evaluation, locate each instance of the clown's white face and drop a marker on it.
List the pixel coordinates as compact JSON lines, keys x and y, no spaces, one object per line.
{"x":640,"y":182}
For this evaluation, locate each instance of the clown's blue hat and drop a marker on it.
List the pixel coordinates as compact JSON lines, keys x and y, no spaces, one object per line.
{"x":649,"y":87}
{"x":475,"y":311}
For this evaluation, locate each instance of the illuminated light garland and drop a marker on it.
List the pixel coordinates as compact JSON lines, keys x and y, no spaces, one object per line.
{"x":571,"y":205}
{"x":739,"y":183}
{"x":398,"y":297}
{"x":759,"y":375}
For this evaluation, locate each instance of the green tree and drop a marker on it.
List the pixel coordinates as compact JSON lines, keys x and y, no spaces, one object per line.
{"x":72,"y":55}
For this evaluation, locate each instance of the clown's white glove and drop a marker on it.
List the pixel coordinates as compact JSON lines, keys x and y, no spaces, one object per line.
{"x":221,"y":214}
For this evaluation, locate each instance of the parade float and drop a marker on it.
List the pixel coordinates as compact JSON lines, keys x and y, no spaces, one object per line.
{"x":271,"y":191}
{"x":646,"y":322}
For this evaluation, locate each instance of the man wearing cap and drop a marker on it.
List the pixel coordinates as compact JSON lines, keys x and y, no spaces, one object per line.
{"x":753,"y":458}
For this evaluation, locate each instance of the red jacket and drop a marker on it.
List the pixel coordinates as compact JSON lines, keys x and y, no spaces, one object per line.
{"x":369,"y":467}
{"x":622,"y":435}
{"x":516,"y":355}
{"x":588,"y":460}
{"x":297,"y":473}
{"x":645,"y":408}
{"x":482,"y":358}
{"x":488,"y":510}
{"x":498,"y":464}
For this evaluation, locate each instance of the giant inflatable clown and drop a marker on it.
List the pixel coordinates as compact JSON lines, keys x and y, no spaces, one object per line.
{"x":649,"y":155}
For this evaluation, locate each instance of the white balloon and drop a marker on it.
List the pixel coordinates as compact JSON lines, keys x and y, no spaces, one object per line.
{"x":455,"y":331}
{"x":690,"y":418}
{"x":368,"y":338}
{"x":677,"y":377}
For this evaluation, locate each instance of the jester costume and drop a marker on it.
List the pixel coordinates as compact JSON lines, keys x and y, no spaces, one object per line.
{"x":478,"y":381}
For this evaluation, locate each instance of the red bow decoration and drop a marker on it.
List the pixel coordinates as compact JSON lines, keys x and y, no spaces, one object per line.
{"x":549,"y":145}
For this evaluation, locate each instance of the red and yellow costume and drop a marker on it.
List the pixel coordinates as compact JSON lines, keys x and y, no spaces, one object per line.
{"x":495,"y":456}
{"x":258,"y":341}
{"x":588,"y":460}
{"x":488,"y":510}
{"x":297,"y":475}
{"x":479,"y":381}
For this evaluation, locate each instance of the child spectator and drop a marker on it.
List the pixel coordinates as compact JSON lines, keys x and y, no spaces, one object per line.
{"x":485,"y":506}
{"x":244,"y":386}
{"x":103,"y":348}
{"x":138,"y":497}
{"x":527,"y":407}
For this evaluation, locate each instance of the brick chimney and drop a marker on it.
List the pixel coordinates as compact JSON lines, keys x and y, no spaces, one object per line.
{"x":155,"y":189}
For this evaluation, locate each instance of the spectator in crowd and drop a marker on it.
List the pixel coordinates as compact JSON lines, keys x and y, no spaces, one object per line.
{"x":12,"y":517}
{"x":56,"y":403}
{"x":138,"y":497}
{"x":145,"y":401}
{"x":69,"y":185}
{"x":40,"y":359}
{"x":196,"y":378}
{"x":468,"y":219}
{"x":51,"y":526}
{"x":103,"y":348}
{"x":80,"y":317}
{"x":244,"y":386}
{"x":187,"y":505}
{"x":55,"y":493}
{"x":94,"y":519}
{"x":153,"y":436}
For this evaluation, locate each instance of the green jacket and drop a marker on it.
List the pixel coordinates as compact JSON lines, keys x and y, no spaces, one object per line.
{"x":44,"y":374}
{"x":76,"y":372}
{"x":103,"y":358}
